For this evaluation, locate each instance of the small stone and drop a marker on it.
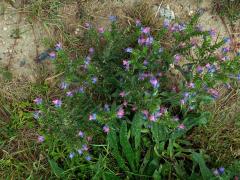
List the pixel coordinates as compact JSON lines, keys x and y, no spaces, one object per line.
{"x":5,"y":28}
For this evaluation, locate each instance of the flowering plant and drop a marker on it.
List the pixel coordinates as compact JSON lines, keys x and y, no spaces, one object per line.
{"x":141,"y":94}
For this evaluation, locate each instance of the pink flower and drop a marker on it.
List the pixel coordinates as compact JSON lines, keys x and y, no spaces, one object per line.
{"x":138,"y":22}
{"x":177,"y":58}
{"x":126,"y":64}
{"x":92,"y":117}
{"x":152,"y":118}
{"x":38,"y":101}
{"x":120,"y":113}
{"x":181,"y":126}
{"x":91,"y":50}
{"x":41,"y":139}
{"x":57,"y":102}
{"x":122,"y":94}
{"x":146,"y":30}
{"x":101,"y":30}
{"x":125,"y":103}
{"x":89,"y":138}
{"x":52,"y":55}
{"x":191,"y":85}
{"x":145,"y":112}
{"x":106,"y":129}
{"x":134,"y":108}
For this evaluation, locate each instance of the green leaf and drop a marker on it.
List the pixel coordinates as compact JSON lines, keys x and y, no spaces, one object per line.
{"x":136,"y":133}
{"x":59,"y":172}
{"x":198,"y":158}
{"x":113,"y":143}
{"x":145,"y":161}
{"x":126,"y":146}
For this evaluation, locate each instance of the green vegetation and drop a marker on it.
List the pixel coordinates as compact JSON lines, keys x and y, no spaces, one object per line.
{"x":137,"y":101}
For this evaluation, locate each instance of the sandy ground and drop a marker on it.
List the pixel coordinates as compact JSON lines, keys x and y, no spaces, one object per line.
{"x":17,"y":54}
{"x":19,"y":43}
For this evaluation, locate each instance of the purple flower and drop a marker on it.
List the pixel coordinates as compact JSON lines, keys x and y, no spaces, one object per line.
{"x":225,"y":49}
{"x":106,"y":129}
{"x":81,"y":134}
{"x":149,"y":41}
{"x":129,"y":50}
{"x":166,"y":23}
{"x":213,"y":92}
{"x":81,"y":90}
{"x":145,"y":62}
{"x":58,"y":46}
{"x":112,"y":18}
{"x":38,"y":101}
{"x":92,"y":117}
{"x":71,"y":155}
{"x":221,"y":170}
{"x":120,"y":113}
{"x":226,"y":39}
{"x":80,"y":152}
{"x":69,"y":94}
{"x":212,"y":32}
{"x":36,"y":114}
{"x":145,"y":30}
{"x":87,"y":25}
{"x":94,"y":80}
{"x":57,"y":102}
{"x":138,"y":22}
{"x":91,"y":50}
{"x":52,"y":55}
{"x":199,"y":69}
{"x":154,"y":82}
{"x":84,"y":147}
{"x":160,"y":50}
{"x":211,"y":68}
{"x":177,"y":58}
{"x":181,"y":27}
{"x":64,"y":85}
{"x":225,"y":58}
{"x":88,"y":158}
{"x":141,"y":41}
{"x":191,"y":85}
{"x":182,"y":102}
{"x":41,"y":139}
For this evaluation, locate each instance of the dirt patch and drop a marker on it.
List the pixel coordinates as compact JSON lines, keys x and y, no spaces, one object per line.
{"x":20,"y":43}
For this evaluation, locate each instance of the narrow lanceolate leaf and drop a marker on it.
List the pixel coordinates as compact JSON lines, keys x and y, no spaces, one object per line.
{"x":113,"y":143}
{"x":198,"y":158}
{"x":126,"y":146}
{"x":59,"y":172}
{"x":136,"y":133}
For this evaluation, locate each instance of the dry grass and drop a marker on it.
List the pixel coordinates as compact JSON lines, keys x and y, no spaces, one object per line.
{"x":221,"y":137}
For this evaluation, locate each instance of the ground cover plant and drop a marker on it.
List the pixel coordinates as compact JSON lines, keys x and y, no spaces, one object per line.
{"x":120,"y":113}
{"x":137,"y":104}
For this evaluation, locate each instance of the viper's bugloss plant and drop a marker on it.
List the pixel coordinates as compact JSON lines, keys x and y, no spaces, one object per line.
{"x":129,"y":103}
